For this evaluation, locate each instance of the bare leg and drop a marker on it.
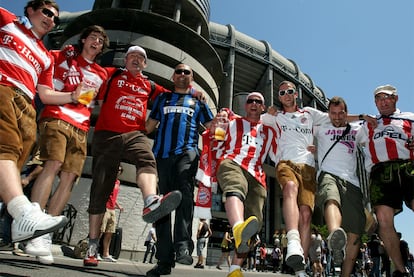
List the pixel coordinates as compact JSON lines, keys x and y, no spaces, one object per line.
{"x":95,"y":221}
{"x":62,"y":194}
{"x":235,"y":213}
{"x":107,"y":237}
{"x":147,"y":182}
{"x":44,"y":182}
{"x":385,"y":216}
{"x":352,"y":249}
{"x":333,"y":216}
{"x":290,"y":206}
{"x":10,"y":182}
{"x":304,"y":227}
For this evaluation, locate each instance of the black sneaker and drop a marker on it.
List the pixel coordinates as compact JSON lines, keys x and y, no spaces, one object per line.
{"x":183,"y":257}
{"x":159,"y":269}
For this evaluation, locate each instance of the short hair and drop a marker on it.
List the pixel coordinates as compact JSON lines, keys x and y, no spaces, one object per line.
{"x":36,"y":4}
{"x":287,"y":83}
{"x":336,"y":100}
{"x":90,"y":29}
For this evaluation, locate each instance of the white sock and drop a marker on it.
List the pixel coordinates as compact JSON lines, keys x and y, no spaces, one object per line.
{"x":233,"y":267}
{"x":17,"y":205}
{"x":293,"y":235}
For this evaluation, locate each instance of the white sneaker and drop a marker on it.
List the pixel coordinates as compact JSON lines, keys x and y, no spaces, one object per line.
{"x":33,"y":223}
{"x":294,"y":256}
{"x":337,"y":243}
{"x":109,"y":259}
{"x":40,"y":246}
{"x":45,"y":259}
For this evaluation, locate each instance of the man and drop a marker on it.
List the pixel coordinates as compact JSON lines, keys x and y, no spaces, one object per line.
{"x":339,"y":192}
{"x":120,"y":136}
{"x":241,"y":176}
{"x":179,"y":115}
{"x":108,"y":227}
{"x":389,"y":159}
{"x":295,"y":171}
{"x":203,"y":233}
{"x":64,"y":129}
{"x":25,"y":67}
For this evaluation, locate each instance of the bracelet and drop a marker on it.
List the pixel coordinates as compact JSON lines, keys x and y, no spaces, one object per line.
{"x":361,"y":116}
{"x":74,"y":100}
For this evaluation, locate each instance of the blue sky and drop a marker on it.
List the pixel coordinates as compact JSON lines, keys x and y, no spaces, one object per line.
{"x":347,"y":47}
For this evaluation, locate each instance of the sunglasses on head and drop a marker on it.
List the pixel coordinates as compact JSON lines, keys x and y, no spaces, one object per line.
{"x":287,"y":91}
{"x":181,"y":71}
{"x":50,"y":14}
{"x":257,"y":101}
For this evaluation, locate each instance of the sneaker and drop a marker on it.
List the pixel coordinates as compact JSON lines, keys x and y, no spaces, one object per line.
{"x":235,"y":273}
{"x":336,"y":243}
{"x":218,"y":267}
{"x":159,"y":269}
{"x":161,"y":206}
{"x":91,"y":256}
{"x":48,"y":260}
{"x":40,"y":246}
{"x":184,"y":257}
{"x":294,"y":256}
{"x":301,"y":273}
{"x":243,"y":232}
{"x":199,"y":266}
{"x":33,"y":223}
{"x":109,"y":259}
{"x":98,"y":257}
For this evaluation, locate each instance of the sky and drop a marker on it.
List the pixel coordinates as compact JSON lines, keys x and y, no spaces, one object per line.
{"x":348,"y":48}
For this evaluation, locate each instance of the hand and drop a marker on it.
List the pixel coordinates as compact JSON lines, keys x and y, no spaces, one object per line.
{"x":371,"y":120}
{"x":311,"y":148}
{"x":410,"y":143}
{"x":200,"y":96}
{"x":272,"y":110}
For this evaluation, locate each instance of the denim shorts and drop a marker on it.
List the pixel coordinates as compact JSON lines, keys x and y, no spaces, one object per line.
{"x":17,"y":126}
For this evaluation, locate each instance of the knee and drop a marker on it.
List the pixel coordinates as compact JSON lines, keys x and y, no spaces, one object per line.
{"x":290,"y":189}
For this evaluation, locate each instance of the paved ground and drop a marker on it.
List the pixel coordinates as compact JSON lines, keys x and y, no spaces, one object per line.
{"x":19,"y":266}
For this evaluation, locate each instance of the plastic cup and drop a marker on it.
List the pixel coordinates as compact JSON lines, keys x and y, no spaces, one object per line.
{"x":220,"y":129}
{"x":88,"y":89}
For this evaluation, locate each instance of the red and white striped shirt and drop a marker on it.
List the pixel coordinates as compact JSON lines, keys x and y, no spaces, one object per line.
{"x":67,"y":78}
{"x":24,"y":60}
{"x":387,"y":141}
{"x":248,"y":144}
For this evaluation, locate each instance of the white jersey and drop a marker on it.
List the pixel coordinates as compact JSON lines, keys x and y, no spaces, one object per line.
{"x":387,"y":141}
{"x":296,"y":133}
{"x":342,"y":159}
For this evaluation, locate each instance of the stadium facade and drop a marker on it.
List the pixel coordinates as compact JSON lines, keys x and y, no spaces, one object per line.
{"x":227,"y":65}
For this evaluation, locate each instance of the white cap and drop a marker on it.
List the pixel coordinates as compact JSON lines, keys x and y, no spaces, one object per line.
{"x":138,"y":49}
{"x":257,"y":94}
{"x":387,"y":89}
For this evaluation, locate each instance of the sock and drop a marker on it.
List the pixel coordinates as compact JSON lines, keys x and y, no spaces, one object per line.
{"x":233,"y":267}
{"x":293,"y":235}
{"x":150,"y":199}
{"x":94,"y":241}
{"x":17,"y":205}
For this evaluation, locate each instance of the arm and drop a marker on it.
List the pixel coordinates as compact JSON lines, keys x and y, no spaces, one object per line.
{"x":51,"y":97}
{"x":150,"y":125}
{"x":370,"y":119}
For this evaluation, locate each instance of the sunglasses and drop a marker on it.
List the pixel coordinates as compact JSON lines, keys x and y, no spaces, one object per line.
{"x":50,"y":14}
{"x":287,"y":91}
{"x":257,"y":101}
{"x":181,"y":71}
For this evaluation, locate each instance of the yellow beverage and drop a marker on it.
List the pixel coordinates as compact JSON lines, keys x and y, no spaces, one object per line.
{"x":86,"y":97}
{"x":219,"y":133}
